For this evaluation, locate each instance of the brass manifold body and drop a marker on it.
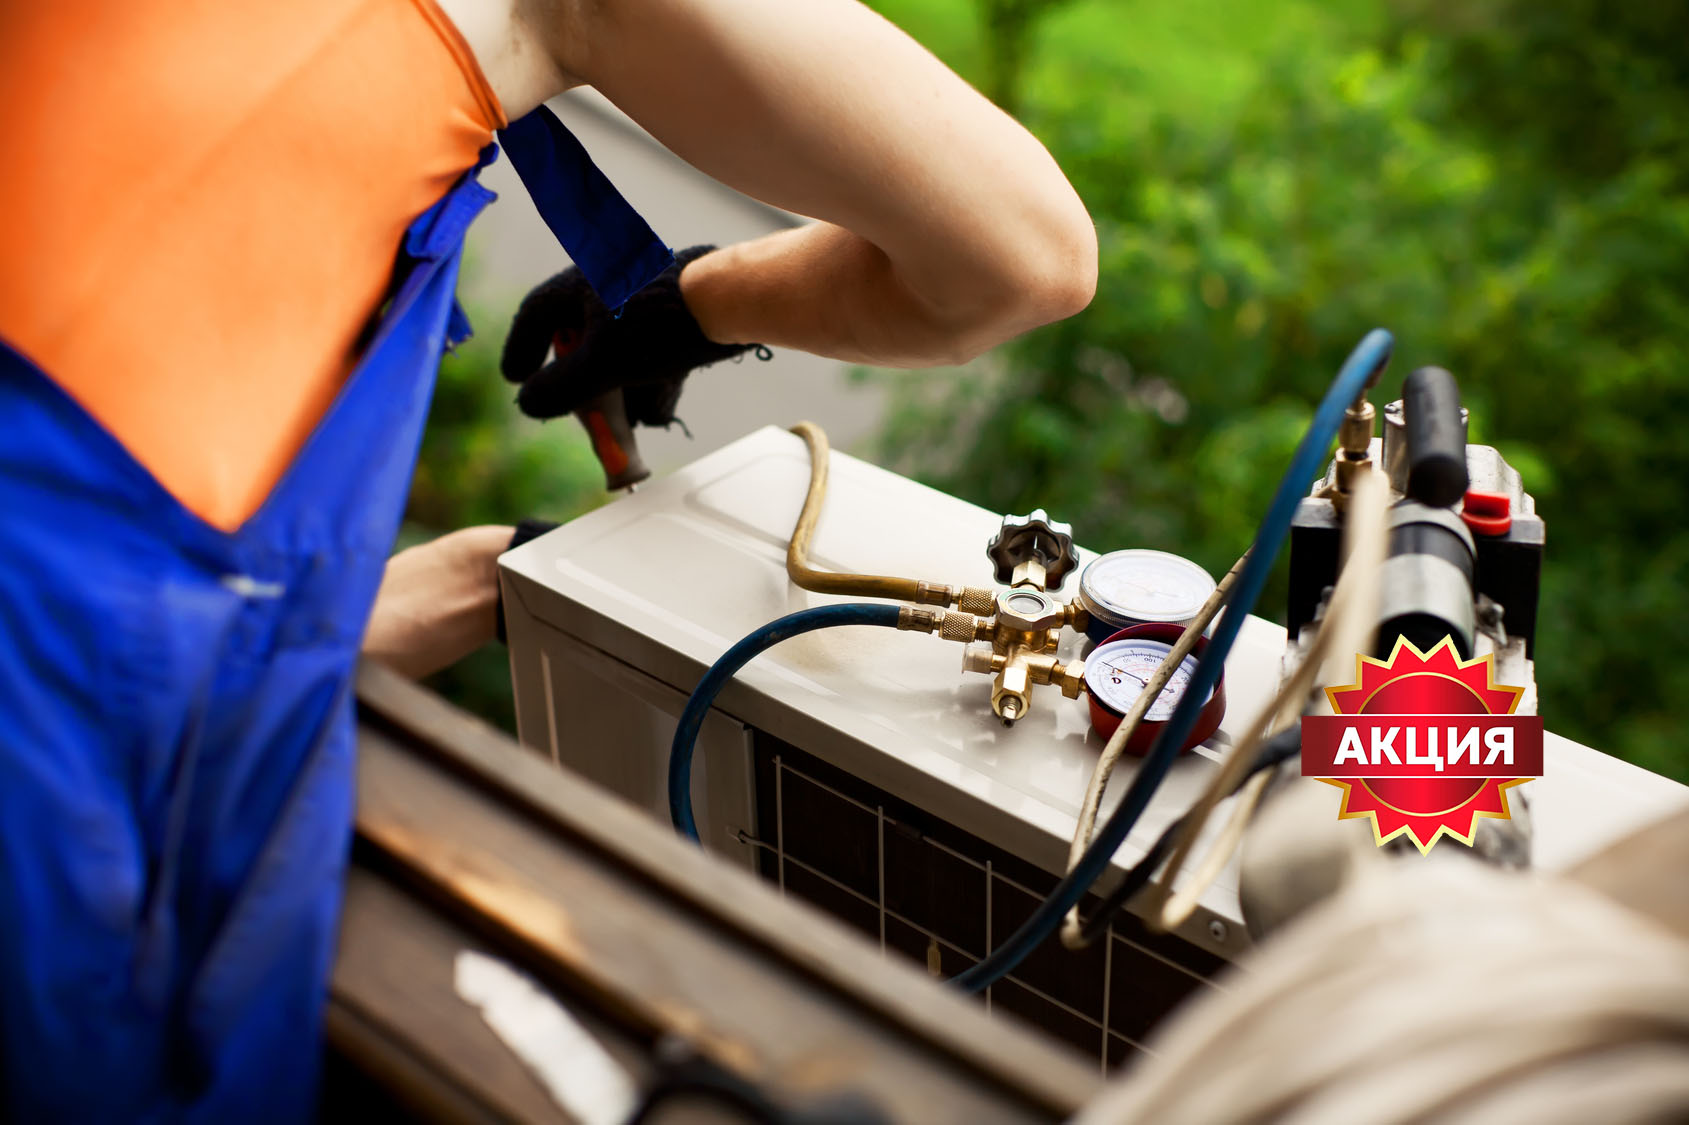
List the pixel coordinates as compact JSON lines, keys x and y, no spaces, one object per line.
{"x":1019,"y":645}
{"x":1012,"y":635}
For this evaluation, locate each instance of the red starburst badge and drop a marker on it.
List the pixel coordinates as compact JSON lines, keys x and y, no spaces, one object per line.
{"x":1423,"y":744}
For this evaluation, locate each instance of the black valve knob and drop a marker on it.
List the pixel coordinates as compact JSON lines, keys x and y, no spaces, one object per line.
{"x":1033,"y":538}
{"x":1436,"y":437}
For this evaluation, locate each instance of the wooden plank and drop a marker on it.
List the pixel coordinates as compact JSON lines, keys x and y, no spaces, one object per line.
{"x":620,"y":947}
{"x":1022,"y":1065}
{"x":398,"y":1012}
{"x":404,"y":1078}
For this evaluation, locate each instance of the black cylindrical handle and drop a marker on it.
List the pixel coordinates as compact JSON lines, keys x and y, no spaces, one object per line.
{"x":1436,"y":437}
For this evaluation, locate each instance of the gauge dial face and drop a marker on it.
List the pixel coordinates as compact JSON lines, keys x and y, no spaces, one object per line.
{"x":1146,"y":586}
{"x":1116,"y":674}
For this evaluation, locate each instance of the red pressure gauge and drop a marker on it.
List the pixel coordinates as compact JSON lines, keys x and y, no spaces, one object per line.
{"x":1117,"y":670}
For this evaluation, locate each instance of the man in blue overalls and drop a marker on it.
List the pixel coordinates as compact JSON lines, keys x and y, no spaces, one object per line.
{"x":175,"y":710}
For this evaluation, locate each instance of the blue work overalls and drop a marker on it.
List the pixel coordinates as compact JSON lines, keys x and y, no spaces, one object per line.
{"x":176,"y":738}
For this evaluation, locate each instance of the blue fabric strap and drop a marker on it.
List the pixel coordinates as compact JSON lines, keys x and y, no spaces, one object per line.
{"x":616,"y":250}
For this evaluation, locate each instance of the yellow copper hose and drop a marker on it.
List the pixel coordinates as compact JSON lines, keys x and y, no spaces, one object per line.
{"x":828,"y":582}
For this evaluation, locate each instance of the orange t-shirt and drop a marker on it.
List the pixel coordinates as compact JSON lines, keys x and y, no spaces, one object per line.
{"x":200,"y":207}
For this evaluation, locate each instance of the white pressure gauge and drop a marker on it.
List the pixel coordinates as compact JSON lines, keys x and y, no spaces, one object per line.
{"x":1125,"y":588}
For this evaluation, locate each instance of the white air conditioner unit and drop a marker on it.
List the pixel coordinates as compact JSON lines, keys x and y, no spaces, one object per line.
{"x":859,"y":768}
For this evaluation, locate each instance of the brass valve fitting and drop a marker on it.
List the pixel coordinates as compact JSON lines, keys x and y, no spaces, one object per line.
{"x":1046,"y":669}
{"x":1076,"y":616}
{"x":1354,"y":435}
{"x":1070,"y":677}
{"x":1017,"y":671}
{"x":1010,"y":694}
{"x":947,"y":623}
{"x":1024,"y":636}
{"x":933,"y":593}
{"x":1021,"y":625}
{"x":919,"y":618}
{"x":1354,"y":451}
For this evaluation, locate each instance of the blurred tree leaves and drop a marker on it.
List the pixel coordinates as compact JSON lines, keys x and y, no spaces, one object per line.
{"x":1500,"y":183}
{"x":1008,"y":39}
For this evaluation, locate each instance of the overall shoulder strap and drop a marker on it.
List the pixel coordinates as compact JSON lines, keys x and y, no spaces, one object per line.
{"x":614,"y":247}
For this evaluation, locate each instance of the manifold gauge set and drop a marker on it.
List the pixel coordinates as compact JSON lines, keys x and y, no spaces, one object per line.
{"x":1132,"y":605}
{"x":1139,"y":602}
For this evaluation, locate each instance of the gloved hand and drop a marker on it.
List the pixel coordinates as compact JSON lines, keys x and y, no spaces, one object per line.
{"x":647,"y":351}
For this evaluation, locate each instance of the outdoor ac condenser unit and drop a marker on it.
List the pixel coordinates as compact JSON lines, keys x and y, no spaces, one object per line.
{"x":858,"y":768}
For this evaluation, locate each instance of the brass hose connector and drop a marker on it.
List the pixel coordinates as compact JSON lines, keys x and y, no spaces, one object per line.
{"x":1354,"y":452}
{"x":1355,"y":432}
{"x":963,"y":627}
{"x":918,"y":618}
{"x":947,"y":623}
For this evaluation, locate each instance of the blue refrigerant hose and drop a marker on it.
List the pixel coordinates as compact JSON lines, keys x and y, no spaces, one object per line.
{"x":1358,"y":371}
{"x":723,"y":670}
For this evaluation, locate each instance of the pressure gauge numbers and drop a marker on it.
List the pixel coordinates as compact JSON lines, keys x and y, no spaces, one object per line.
{"x":1117,"y":674}
{"x":1117,"y":671}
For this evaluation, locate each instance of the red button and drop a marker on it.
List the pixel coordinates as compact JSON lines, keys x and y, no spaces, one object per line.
{"x":1487,"y":513}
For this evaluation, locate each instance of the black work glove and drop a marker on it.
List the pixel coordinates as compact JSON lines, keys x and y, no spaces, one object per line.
{"x":647,"y":351}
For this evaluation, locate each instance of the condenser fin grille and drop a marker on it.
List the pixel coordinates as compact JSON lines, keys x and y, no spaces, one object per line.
{"x":929,"y":891}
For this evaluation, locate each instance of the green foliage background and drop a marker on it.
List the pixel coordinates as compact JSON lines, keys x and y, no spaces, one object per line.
{"x":1502,"y":183}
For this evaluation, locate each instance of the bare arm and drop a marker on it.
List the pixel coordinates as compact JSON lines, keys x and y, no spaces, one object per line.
{"x":438,"y":601}
{"x":946,"y":227}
